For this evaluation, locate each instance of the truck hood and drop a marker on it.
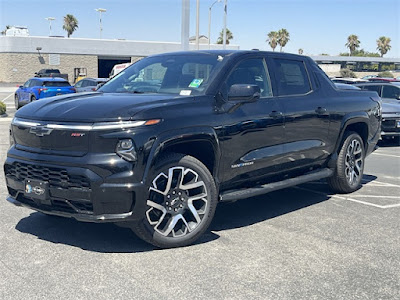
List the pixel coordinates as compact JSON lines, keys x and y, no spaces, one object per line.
{"x":390,"y":107}
{"x":94,"y":107}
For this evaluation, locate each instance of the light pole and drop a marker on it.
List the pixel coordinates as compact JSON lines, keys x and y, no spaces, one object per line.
{"x":100,"y":10}
{"x":197,"y":23}
{"x":50,"y":19}
{"x":209,"y":22}
{"x":225,"y":13}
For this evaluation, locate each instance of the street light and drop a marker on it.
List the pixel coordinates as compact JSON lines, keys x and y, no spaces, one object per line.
{"x":100,"y":10}
{"x":209,"y":21}
{"x":50,"y":19}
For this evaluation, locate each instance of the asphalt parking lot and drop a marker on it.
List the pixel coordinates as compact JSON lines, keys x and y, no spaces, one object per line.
{"x":298,"y":243}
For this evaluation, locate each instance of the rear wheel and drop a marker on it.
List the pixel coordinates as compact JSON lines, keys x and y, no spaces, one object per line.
{"x":181,"y":202}
{"x":16,"y":102}
{"x":350,"y":165}
{"x":33,"y":98}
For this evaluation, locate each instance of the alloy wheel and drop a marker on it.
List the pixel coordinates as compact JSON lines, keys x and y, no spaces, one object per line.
{"x":354,"y":162}
{"x":177,"y":203}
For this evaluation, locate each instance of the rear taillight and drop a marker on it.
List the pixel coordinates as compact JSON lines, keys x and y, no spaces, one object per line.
{"x":72,"y":89}
{"x":42,"y":90}
{"x":93,"y":89}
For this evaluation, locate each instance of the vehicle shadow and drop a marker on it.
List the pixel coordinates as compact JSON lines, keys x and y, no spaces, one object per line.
{"x":109,"y":238}
{"x":389,"y":143}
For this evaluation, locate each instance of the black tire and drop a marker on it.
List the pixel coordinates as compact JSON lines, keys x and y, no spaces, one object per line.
{"x":16,"y":102}
{"x":33,"y":98}
{"x":178,"y":184}
{"x":350,"y":165}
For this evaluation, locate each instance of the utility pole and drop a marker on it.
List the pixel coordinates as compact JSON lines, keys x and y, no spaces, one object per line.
{"x":225,"y":13}
{"x":197,"y":23}
{"x":185,"y":25}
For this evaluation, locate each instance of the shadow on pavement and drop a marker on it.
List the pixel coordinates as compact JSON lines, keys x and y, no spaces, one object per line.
{"x":395,"y":142}
{"x":109,"y":238}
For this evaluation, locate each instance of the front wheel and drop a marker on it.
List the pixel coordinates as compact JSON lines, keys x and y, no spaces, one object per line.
{"x":350,"y":165}
{"x":181,"y":202}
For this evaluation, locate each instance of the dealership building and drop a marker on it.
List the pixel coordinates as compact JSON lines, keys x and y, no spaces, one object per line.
{"x":22,"y":56}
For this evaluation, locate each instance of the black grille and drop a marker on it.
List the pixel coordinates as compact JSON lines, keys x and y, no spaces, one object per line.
{"x":56,"y":177}
{"x":390,"y":125}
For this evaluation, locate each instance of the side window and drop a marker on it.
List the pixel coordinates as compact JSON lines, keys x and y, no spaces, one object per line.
{"x":27,"y":84}
{"x":374,"y":88}
{"x":292,"y":77}
{"x":251,"y":71}
{"x":78,"y":84}
{"x":391,"y":92}
{"x":85,"y":83}
{"x":34,"y":83}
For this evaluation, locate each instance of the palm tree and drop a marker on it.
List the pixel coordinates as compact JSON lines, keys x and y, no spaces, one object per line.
{"x":301,"y":51}
{"x":283,"y":37}
{"x":383,"y":45}
{"x":272,"y":39}
{"x":229,"y":36}
{"x":352,"y":43}
{"x":70,"y":24}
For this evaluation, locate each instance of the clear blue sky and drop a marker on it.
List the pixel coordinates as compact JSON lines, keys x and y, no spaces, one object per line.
{"x":317,"y":26}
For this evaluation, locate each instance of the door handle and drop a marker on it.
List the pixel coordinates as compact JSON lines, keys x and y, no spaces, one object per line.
{"x":320,"y":110}
{"x":276,"y":114}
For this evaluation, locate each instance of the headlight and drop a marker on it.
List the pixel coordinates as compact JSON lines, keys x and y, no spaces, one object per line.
{"x":12,"y":142}
{"x":126,"y":150}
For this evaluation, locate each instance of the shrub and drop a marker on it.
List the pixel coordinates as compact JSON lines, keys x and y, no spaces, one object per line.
{"x":2,"y":108}
{"x":385,"y":74}
{"x":347,"y":73}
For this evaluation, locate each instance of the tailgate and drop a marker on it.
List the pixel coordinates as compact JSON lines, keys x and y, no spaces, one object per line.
{"x":55,"y":91}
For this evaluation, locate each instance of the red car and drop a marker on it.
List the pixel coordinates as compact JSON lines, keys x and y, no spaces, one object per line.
{"x":383,"y":79}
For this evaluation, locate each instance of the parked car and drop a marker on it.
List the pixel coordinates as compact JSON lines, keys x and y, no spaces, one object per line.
{"x":347,"y":80}
{"x":39,"y":88}
{"x":369,"y":76}
{"x":383,"y":79}
{"x":345,"y":86}
{"x":51,"y":73}
{"x":390,"y":94}
{"x":161,"y":144}
{"x":89,"y":84}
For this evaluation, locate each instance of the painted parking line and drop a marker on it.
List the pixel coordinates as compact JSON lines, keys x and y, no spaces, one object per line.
{"x":388,"y":155}
{"x":12,"y":94}
{"x":354,"y":200}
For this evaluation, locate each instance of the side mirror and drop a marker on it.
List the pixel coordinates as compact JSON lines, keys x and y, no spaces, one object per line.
{"x":244,"y":93}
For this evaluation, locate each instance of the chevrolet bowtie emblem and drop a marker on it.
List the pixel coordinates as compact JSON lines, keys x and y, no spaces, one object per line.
{"x":40,"y":130}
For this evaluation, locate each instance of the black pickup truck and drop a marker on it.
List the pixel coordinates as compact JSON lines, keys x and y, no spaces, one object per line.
{"x":159,"y":145}
{"x":51,"y":73}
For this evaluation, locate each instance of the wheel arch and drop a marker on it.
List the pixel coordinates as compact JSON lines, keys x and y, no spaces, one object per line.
{"x":199,"y":142}
{"x":357,"y":123}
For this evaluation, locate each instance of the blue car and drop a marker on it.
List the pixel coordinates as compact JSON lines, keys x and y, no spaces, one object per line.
{"x":43,"y":87}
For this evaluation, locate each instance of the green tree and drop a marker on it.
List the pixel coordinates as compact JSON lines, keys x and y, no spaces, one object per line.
{"x":386,"y":74}
{"x":383,"y":45}
{"x":347,"y":73}
{"x":352,"y":43}
{"x":229,"y":36}
{"x":70,"y":24}
{"x":272,"y":39}
{"x":301,"y":51}
{"x":283,"y":37}
{"x":362,"y":53}
{"x":4,"y":31}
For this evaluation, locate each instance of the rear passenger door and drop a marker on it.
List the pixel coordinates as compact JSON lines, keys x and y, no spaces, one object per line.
{"x":306,"y":116}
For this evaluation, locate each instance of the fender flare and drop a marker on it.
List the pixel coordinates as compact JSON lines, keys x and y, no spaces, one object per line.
{"x":185,"y":135}
{"x":352,"y":118}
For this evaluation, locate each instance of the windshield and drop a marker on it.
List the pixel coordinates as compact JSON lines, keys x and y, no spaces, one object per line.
{"x":171,"y":74}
